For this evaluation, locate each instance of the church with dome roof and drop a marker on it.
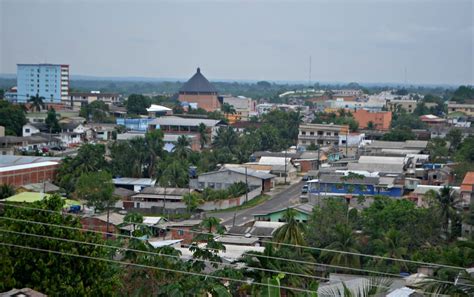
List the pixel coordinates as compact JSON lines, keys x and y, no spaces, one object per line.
{"x":200,"y":91}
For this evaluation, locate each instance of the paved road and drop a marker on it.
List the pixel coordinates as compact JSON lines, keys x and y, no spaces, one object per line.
{"x":280,"y":198}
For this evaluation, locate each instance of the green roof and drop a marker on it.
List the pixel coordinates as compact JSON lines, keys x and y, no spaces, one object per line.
{"x":30,"y":197}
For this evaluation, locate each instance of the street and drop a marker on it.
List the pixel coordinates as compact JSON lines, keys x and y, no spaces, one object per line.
{"x":280,"y":198}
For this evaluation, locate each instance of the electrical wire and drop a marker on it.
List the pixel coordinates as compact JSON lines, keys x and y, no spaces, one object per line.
{"x":157,"y":268}
{"x":262,"y":256}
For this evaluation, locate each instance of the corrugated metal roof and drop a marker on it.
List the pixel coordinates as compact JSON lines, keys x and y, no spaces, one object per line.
{"x":381,"y":160}
{"x":273,"y":160}
{"x":383,"y":168}
{"x":134,"y":181}
{"x":178,"y":121}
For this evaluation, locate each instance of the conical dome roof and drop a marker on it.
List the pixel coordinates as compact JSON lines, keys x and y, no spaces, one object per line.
{"x":198,"y":84}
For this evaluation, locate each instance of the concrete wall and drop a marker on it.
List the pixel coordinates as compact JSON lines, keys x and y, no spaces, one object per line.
{"x":223,"y":180}
{"x":231,"y":202}
{"x":25,"y":176}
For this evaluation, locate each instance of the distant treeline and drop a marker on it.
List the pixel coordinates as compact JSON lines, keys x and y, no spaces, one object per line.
{"x":261,"y":89}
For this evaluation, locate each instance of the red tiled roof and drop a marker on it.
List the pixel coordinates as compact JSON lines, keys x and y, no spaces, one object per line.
{"x":468,"y":182}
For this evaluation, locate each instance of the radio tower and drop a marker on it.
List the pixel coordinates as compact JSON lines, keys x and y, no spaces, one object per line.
{"x":309,"y":74}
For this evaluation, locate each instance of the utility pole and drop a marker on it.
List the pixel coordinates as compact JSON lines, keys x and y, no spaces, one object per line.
{"x":347,"y":136}
{"x":285,"y":165}
{"x":246,"y":187}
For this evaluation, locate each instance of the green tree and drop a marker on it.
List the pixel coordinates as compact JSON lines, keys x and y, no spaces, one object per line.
{"x":463,"y":93}
{"x":227,"y":109}
{"x":448,"y":202}
{"x":345,"y":241}
{"x":52,"y":121}
{"x":192,"y":201}
{"x":96,"y":111}
{"x":438,"y":150}
{"x":399,"y":135}
{"x":324,"y":219}
{"x":203,"y":135}
{"x":226,"y":138}
{"x":182,"y":147}
{"x":370,"y":125}
{"x":454,"y":137}
{"x":47,"y":272}
{"x":37,"y":102}
{"x":292,"y":232}
{"x":89,"y":158}
{"x":6,"y":190}
{"x":175,"y":175}
{"x":12,"y":117}
{"x":97,"y":189}
{"x":137,"y":104}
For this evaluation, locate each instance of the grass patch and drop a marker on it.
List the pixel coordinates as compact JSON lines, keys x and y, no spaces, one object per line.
{"x":254,"y":202}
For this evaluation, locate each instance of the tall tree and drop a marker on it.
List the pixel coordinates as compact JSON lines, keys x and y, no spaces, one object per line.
{"x":12,"y":117}
{"x":226,"y":138}
{"x":97,"y":189}
{"x":52,"y":121}
{"x":137,"y":104}
{"x":346,"y":242}
{"x":448,"y":203}
{"x":175,"y":175}
{"x":182,"y":147}
{"x":49,"y":272}
{"x":454,"y":137}
{"x":292,"y":232}
{"x":203,"y":135}
{"x":37,"y":102}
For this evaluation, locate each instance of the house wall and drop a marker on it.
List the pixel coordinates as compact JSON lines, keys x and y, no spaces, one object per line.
{"x":307,"y":165}
{"x":98,"y":225}
{"x":278,"y":217}
{"x":29,"y":176}
{"x":207,"y":102}
{"x":355,"y":190}
{"x":183,"y":232}
{"x":29,"y":130}
{"x":223,"y":180}
{"x":381,"y":120}
{"x":231,"y":202}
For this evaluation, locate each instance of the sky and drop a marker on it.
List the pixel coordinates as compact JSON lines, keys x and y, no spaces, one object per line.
{"x":397,"y":41}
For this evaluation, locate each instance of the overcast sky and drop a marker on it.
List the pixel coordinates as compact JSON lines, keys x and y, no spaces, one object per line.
{"x":352,"y":40}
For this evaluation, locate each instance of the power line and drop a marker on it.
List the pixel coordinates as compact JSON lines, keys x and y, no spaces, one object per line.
{"x":155,"y":267}
{"x":262,"y":256}
{"x":279,"y":243}
{"x":172,"y":256}
{"x":156,"y":254}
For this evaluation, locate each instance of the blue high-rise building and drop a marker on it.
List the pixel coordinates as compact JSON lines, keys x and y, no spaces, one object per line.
{"x":50,"y":81}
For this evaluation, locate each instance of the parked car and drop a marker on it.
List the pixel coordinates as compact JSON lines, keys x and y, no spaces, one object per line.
{"x":57,"y":148}
{"x":304,"y":190}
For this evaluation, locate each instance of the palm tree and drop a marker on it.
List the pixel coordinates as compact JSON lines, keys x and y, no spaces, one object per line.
{"x":462,"y":285}
{"x":192,"y":201}
{"x":203,"y":136}
{"x":6,"y":190}
{"x":181,"y":148}
{"x":37,"y":102}
{"x":345,"y":242}
{"x":393,"y":245}
{"x":154,"y":149}
{"x":292,"y":231}
{"x":448,"y":202}
{"x":226,"y":138}
{"x":374,"y":286}
{"x":227,"y":109}
{"x":175,"y":175}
